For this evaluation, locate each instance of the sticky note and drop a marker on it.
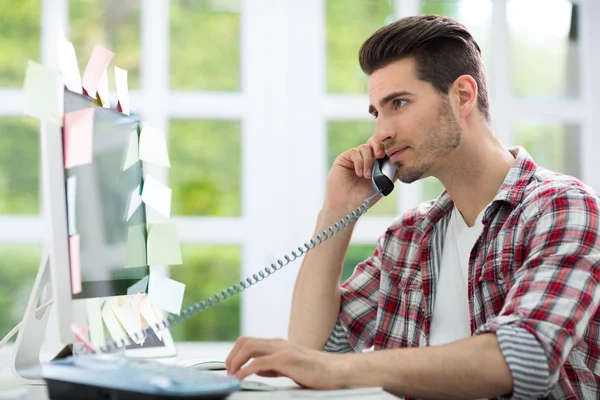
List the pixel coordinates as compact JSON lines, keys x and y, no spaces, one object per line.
{"x":132,"y":155}
{"x":157,"y":196}
{"x":125,"y":318}
{"x":163,"y":245}
{"x":139,"y":287}
{"x":67,"y":63}
{"x":75,"y":262}
{"x":94,"y":313}
{"x":122,"y":90}
{"x":135,"y":312}
{"x":153,"y":146}
{"x":135,"y":250}
{"x":103,"y":92}
{"x":80,"y":333}
{"x":111,"y":322}
{"x":71,"y":199}
{"x":44,"y":93}
{"x":78,"y":139}
{"x":151,"y":316}
{"x":165,"y":293}
{"x":135,"y":200}
{"x":96,"y":66}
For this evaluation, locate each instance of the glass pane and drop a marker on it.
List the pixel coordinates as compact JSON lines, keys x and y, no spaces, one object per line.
{"x":205,"y":172}
{"x":348,"y":25}
{"x":205,"y":45}
{"x":114,"y":24}
{"x":20,"y":38}
{"x":544,"y":55}
{"x":207,"y":270}
{"x":553,"y":146}
{"x":356,"y":254}
{"x":18,"y":268}
{"x":432,"y":188}
{"x":19,"y":166}
{"x":476,"y":15}
{"x":343,"y":135}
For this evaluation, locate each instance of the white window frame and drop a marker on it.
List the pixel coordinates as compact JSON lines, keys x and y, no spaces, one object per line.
{"x":283,"y":107}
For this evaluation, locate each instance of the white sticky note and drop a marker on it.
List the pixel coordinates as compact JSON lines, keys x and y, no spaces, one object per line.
{"x":136,"y":316}
{"x":165,"y":293}
{"x":94,"y":312}
{"x":132,"y":155}
{"x":96,"y":66}
{"x":157,"y":196}
{"x":44,"y":93}
{"x":151,"y":316}
{"x":138,"y":287}
{"x":111,"y":322}
{"x":122,"y":90}
{"x":71,"y":199}
{"x":75,"y":261}
{"x":103,"y":92}
{"x":135,"y":201}
{"x":153,"y":146}
{"x":67,"y":63}
{"x":125,"y":317}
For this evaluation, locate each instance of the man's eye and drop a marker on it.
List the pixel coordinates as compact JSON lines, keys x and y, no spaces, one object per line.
{"x":399,"y":103}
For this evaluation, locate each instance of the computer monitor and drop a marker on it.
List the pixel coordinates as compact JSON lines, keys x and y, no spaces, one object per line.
{"x":101,"y":201}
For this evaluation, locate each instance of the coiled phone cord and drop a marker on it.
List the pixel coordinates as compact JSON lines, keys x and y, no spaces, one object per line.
{"x":173,"y":319}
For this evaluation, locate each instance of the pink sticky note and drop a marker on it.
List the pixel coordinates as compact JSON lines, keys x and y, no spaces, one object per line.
{"x":78,"y":140}
{"x":80,"y":333}
{"x":97,"y":64}
{"x":75,"y":263}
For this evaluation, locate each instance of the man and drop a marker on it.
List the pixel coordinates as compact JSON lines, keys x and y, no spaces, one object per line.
{"x":490,"y":290}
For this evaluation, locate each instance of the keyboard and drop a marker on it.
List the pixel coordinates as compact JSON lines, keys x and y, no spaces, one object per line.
{"x":102,"y":376}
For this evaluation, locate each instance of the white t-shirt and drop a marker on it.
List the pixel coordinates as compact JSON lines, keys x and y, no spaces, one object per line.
{"x":451,"y":319}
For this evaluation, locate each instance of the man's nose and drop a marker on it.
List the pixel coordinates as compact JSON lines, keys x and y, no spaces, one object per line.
{"x":384,"y":131}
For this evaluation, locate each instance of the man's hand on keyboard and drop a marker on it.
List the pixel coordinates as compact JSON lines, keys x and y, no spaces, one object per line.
{"x":277,"y":357}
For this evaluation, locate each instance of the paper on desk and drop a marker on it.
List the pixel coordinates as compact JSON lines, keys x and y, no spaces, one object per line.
{"x":110,"y":320}
{"x":67,"y":63}
{"x":163,"y":245}
{"x":135,"y":201}
{"x":71,"y":199}
{"x":153,"y":146}
{"x":122,"y":90}
{"x":126,"y":317}
{"x":78,"y":139}
{"x":75,"y":262}
{"x":103,"y":92}
{"x":151,"y":316}
{"x":157,"y":196}
{"x":140,"y":286}
{"x":132,"y":155}
{"x":135,"y":251}
{"x":165,"y":293}
{"x":44,"y":93}
{"x":94,"y":312}
{"x":96,"y":66}
{"x":341,"y":394}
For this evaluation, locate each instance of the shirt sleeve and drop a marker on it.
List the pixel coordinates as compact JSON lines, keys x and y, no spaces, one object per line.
{"x":355,"y":327}
{"x":554,"y":293}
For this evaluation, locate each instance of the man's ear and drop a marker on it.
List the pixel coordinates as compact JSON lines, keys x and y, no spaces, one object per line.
{"x":465,"y":93}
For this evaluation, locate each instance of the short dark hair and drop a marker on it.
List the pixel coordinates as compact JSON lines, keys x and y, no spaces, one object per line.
{"x":443,"y":50}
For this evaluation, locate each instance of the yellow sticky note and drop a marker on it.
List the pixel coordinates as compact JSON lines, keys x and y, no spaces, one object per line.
{"x":165,"y":293}
{"x":135,"y":251}
{"x":151,"y":316}
{"x":157,"y":196}
{"x":44,"y":93}
{"x":122,"y":90}
{"x":125,"y":317}
{"x":111,"y":322}
{"x":163,"y":245}
{"x":153,"y":146}
{"x":96,"y":66}
{"x":78,"y":137}
{"x":94,"y":312}
{"x":132,"y":154}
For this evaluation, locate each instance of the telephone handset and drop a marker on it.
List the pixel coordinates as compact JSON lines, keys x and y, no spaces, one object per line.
{"x":382,"y":179}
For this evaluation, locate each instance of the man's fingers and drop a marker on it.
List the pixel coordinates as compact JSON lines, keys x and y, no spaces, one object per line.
{"x":378,"y":148}
{"x":357,"y":160}
{"x":236,"y":347}
{"x":252,"y":348}
{"x":262,"y":365}
{"x":366,"y":152}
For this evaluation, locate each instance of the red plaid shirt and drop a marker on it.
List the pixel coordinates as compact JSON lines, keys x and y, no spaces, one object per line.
{"x":533,"y":280}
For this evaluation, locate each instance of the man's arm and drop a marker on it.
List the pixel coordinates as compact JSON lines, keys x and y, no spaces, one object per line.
{"x":316,"y":297}
{"x":469,"y":368}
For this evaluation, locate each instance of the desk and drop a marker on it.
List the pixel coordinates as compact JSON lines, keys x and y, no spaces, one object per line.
{"x":11,"y":389}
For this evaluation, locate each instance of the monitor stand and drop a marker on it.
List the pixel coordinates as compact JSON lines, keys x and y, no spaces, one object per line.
{"x":26,"y":355}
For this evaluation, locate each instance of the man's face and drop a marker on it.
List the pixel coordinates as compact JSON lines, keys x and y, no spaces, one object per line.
{"x":414,"y":123}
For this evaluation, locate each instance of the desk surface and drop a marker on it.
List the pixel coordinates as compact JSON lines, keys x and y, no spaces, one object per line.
{"x":10,"y":388}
